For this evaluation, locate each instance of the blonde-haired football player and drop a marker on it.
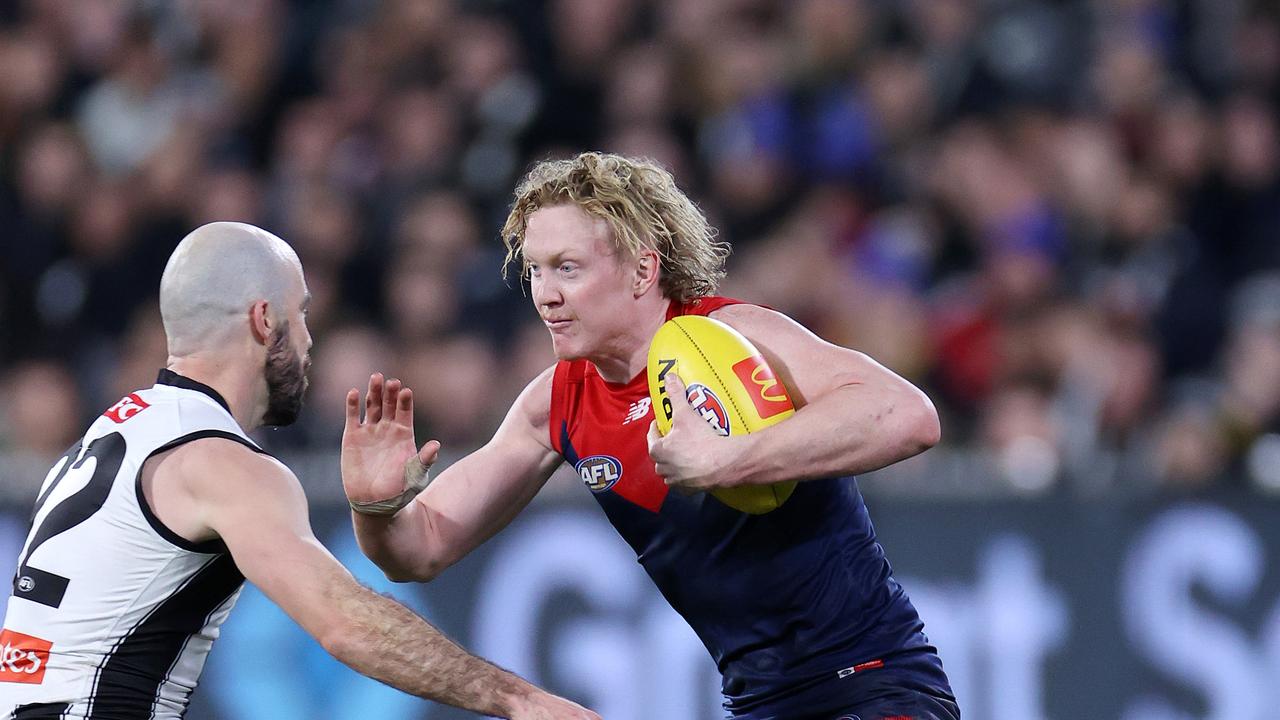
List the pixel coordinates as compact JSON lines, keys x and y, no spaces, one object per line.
{"x":798,"y":606}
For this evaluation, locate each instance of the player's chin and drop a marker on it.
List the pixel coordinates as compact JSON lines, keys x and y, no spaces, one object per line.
{"x":565,"y":349}
{"x":569,"y":356}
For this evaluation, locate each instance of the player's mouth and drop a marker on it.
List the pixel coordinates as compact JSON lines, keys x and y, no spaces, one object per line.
{"x":555,"y":324}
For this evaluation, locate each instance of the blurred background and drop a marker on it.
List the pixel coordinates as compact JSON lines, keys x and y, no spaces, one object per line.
{"x":1060,"y":218}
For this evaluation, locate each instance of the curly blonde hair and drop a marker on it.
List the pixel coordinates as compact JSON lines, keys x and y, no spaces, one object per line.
{"x":642,"y":205}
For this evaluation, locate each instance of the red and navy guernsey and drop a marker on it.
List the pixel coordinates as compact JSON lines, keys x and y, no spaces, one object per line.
{"x":788,"y":603}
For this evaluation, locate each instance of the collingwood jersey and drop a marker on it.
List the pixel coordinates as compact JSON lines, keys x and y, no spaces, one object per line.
{"x":112,"y":614}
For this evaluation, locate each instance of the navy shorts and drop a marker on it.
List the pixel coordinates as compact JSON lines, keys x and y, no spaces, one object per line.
{"x":907,"y":706}
{"x":910,"y":686}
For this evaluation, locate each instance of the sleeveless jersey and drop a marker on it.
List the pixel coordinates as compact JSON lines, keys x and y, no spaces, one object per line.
{"x":112,"y":614}
{"x":792,"y":604}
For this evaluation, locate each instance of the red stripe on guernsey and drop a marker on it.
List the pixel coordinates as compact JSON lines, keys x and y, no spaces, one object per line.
{"x":647,"y":494}
{"x":701,"y":306}
{"x":558,"y":409}
{"x":872,"y":665}
{"x":587,"y":419}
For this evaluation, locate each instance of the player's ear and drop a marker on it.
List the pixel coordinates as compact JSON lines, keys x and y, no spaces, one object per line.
{"x":260,"y":321}
{"x":648,"y":268}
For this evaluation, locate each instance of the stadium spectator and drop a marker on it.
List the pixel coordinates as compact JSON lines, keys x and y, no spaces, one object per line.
{"x":983,"y":187}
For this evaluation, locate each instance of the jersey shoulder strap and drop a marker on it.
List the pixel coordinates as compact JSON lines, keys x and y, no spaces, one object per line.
{"x":173,"y":413}
{"x":702,"y":306}
{"x":566,"y":393}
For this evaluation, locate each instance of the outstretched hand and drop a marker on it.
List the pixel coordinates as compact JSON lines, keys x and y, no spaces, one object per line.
{"x":692,"y":456}
{"x":376,"y":449}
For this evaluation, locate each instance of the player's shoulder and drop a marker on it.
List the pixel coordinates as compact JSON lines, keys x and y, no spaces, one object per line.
{"x":742,"y":311}
{"x":220,"y":462}
{"x":746,"y":317}
{"x":775,"y":334}
{"x":166,"y":415}
{"x":534,"y":402}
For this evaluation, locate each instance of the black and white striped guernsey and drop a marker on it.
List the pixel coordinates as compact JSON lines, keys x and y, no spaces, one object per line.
{"x":112,"y":614}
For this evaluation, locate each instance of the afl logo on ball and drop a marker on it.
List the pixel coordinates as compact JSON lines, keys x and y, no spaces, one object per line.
{"x":599,"y":472}
{"x":709,"y":407}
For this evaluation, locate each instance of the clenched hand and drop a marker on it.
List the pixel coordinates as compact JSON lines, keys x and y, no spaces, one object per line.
{"x":692,"y":455}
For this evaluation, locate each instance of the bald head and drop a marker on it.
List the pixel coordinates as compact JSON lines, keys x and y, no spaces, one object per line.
{"x":215,"y":275}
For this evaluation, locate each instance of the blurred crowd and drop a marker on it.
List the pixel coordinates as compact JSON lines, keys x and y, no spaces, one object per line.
{"x":1062,"y":219}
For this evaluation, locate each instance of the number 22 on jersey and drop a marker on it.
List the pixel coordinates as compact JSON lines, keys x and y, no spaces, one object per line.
{"x":57,"y":511}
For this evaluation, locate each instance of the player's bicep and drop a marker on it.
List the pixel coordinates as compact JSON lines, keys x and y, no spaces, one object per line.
{"x":257,"y":507}
{"x":809,"y":366}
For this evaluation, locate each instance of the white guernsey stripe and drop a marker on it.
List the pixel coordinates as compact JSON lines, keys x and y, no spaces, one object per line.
{"x":131,"y":682}
{"x":113,"y":614}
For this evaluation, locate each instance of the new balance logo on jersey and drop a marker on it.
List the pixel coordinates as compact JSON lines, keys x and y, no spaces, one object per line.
{"x":128,"y":406}
{"x":23,"y":658}
{"x":638,"y":410}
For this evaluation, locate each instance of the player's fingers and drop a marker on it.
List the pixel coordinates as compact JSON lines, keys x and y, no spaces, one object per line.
{"x":429,"y":453}
{"x":675,"y":385}
{"x":404,"y":408}
{"x":654,"y":437}
{"x":679,"y":400}
{"x":373,"y":399}
{"x":353,"y":411}
{"x":390,"y":399}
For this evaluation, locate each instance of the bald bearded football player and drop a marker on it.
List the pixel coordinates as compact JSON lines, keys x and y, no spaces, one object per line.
{"x":145,"y":530}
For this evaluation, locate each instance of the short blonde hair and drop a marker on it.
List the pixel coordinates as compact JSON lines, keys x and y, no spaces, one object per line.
{"x":644,"y":209}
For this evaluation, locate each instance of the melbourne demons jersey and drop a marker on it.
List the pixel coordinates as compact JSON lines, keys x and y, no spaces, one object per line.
{"x":112,"y":614}
{"x":791,"y":604}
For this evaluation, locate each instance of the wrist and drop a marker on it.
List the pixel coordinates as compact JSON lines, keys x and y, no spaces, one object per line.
{"x":382,"y":522}
{"x":373,"y":523}
{"x":727,"y":466}
{"x":738,"y":465}
{"x":513,"y":701}
{"x":416,"y":479}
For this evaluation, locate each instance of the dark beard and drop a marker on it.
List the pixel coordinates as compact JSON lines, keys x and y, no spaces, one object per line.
{"x":286,"y":377}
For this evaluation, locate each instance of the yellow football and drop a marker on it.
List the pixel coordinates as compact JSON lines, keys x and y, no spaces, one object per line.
{"x":729,"y":384}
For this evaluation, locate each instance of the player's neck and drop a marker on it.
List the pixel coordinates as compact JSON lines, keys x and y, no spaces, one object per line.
{"x":230,"y":380}
{"x":629,"y":354}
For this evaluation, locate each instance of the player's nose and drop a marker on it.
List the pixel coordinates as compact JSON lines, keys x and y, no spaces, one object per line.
{"x":545,"y":293}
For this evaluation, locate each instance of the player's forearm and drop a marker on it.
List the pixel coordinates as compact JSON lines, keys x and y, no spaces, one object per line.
{"x":854,"y":429}
{"x":399,"y":544}
{"x":382,"y":639}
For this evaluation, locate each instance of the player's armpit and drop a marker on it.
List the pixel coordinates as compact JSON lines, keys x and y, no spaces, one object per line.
{"x":257,"y":507}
